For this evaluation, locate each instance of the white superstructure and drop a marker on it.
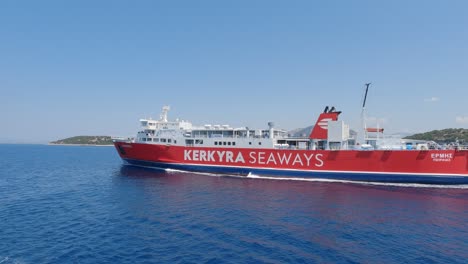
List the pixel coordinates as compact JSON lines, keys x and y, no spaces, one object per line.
{"x":184,"y":133}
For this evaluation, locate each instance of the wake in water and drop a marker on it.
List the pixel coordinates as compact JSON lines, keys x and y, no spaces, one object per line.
{"x":414,"y":185}
{"x":254,"y":176}
{"x":5,"y":260}
{"x":205,"y":173}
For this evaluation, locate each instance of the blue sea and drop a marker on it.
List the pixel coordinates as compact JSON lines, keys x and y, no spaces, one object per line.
{"x":63,"y":204}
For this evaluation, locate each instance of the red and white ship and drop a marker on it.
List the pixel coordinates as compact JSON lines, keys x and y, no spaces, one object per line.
{"x":328,"y":152}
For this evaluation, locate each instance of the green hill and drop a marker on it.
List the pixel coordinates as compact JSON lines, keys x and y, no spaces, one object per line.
{"x":444,"y":135}
{"x":85,"y":140}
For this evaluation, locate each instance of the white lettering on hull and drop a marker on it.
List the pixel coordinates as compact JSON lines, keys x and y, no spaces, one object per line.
{"x":187,"y":154}
{"x":220,"y":155}
{"x":240,"y":158}
{"x":256,"y":158}
{"x":271,"y":159}
{"x":298,"y":160}
{"x":442,"y":157}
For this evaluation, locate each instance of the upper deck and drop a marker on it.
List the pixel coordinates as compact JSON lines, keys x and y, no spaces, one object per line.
{"x":335,"y":135}
{"x":184,"y":133}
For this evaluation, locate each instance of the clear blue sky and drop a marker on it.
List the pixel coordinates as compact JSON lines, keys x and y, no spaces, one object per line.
{"x":95,"y":67}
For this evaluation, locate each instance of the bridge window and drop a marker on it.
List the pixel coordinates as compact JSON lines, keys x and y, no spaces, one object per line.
{"x":163,"y":140}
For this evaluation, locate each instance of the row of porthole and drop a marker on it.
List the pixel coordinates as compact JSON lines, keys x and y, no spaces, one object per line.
{"x":162,"y":140}
{"x":224,"y":143}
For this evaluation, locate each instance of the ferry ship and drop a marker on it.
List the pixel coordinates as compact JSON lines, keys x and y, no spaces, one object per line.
{"x":329,"y":152}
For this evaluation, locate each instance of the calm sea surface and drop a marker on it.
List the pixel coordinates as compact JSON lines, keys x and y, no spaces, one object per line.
{"x":62,"y":204}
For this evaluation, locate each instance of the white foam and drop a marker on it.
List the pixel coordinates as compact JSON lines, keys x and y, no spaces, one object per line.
{"x":411,"y":185}
{"x":173,"y":170}
{"x":200,"y":173}
{"x":255,"y":176}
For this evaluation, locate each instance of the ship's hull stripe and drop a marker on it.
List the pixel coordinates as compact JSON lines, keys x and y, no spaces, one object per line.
{"x":339,"y":175}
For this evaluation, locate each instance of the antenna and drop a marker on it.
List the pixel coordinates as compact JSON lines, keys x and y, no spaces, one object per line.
{"x":365,"y":95}
{"x":361,"y":137}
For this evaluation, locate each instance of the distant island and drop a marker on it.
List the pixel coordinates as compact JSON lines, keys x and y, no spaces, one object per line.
{"x":443,"y":136}
{"x":449,"y":135}
{"x":84,"y":140}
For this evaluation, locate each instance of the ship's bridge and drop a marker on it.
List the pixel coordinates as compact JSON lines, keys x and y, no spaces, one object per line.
{"x":150,"y":124}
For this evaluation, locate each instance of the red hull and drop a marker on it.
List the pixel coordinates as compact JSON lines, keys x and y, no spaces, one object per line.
{"x":413,"y":162}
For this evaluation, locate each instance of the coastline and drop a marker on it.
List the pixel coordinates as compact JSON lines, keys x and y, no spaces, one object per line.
{"x":80,"y":145}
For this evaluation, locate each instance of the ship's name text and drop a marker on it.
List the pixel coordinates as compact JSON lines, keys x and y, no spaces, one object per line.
{"x":255,"y":157}
{"x":437,"y":157}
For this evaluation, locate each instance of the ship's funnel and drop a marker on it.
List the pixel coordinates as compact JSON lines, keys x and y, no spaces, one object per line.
{"x":271,"y":125}
{"x":320,"y":130}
